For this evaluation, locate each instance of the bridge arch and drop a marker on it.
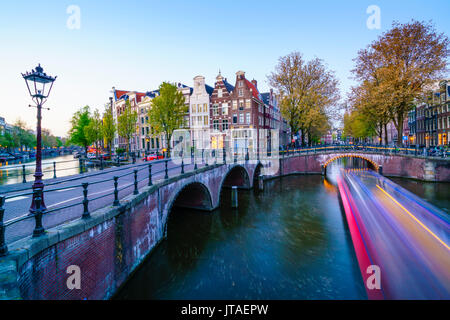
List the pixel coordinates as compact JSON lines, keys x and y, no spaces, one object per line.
{"x":193,"y":195}
{"x":256,"y":173}
{"x":340,"y":156}
{"x":238,"y":176}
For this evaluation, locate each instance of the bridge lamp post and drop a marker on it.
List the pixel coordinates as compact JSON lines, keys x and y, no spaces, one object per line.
{"x":39,"y":86}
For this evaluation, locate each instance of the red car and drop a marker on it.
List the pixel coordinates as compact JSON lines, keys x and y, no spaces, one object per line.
{"x":153,"y":156}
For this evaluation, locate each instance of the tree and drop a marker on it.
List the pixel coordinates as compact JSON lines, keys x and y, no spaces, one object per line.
{"x":308,"y":91}
{"x":77,"y":135}
{"x":109,"y":127}
{"x":94,"y":130}
{"x":167,"y":111}
{"x":127,"y":124}
{"x":403,"y":62}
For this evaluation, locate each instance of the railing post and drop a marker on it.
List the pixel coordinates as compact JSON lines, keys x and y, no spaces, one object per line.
{"x":182,"y":165}
{"x":195,"y":161}
{"x":85,"y":201}
{"x":38,"y":229}
{"x":116,"y":192}
{"x":203,"y":150}
{"x":166,"y":176}
{"x":136,"y":191}
{"x":150,"y":183}
{"x":3,"y":247}
{"x":101,"y":163}
{"x":81,"y":164}
{"x":54,"y":170}
{"x":224,"y":156}
{"x":24,"y":180}
{"x":118,"y":160}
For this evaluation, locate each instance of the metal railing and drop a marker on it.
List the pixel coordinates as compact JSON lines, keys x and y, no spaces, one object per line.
{"x":141,"y":175}
{"x":392,"y":150}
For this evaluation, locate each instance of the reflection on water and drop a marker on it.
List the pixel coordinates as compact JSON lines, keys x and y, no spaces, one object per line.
{"x":65,"y":166}
{"x":437,"y":194}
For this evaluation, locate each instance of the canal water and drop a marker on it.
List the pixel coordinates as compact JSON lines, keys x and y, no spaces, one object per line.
{"x":65,"y":166}
{"x":290,"y":241}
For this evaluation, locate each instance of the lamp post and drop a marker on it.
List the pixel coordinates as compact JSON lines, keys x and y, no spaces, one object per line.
{"x":39,"y":86}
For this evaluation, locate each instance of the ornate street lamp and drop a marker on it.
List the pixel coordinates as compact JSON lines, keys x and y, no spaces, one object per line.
{"x":39,"y":85}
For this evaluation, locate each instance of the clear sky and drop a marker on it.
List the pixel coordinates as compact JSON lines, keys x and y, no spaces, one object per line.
{"x":135,"y":45}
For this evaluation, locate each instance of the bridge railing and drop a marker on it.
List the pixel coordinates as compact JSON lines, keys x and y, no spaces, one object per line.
{"x":367,"y":149}
{"x":55,"y":169}
{"x":132,"y":177}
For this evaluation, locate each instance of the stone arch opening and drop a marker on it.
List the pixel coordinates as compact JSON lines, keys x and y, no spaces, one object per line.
{"x":237,"y":176}
{"x":256,"y":174}
{"x":185,"y":228}
{"x":194,"y":196}
{"x":371,"y":164}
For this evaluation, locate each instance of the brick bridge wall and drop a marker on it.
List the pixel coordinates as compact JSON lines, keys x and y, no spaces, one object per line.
{"x":421,"y":168}
{"x":114,"y":241}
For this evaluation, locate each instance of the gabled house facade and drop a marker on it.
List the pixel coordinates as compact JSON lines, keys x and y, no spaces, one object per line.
{"x":220,"y":114}
{"x":199,"y":115}
{"x":247,"y":114}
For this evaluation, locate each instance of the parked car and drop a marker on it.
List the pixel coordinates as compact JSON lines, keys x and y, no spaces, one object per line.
{"x":153,"y":156}
{"x":106,"y":156}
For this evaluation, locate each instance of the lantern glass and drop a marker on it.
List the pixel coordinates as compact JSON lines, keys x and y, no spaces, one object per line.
{"x":39,"y":83}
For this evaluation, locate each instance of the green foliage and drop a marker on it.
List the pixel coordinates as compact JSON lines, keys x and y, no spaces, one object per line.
{"x":127,"y":123}
{"x":94,"y":130}
{"x":109,"y":127}
{"x":167,"y":111}
{"x":77,"y":134}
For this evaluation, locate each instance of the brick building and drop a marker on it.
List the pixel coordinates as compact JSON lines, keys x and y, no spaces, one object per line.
{"x":220,"y":114}
{"x":248,"y":114}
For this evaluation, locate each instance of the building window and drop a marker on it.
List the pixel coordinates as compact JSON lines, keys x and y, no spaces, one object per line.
{"x":247,"y":118}
{"x":248,"y":103}
{"x":143,"y":131}
{"x":234,"y":118}
{"x":225,"y":108}
{"x":205,"y":120}
{"x":225,"y":124}
{"x":241,"y":118}
{"x":235,"y":103}
{"x":215,"y":110}
{"x":205,"y":107}
{"x":241,"y":83}
{"x":241,"y":92}
{"x":216,"y":124}
{"x":219,"y":93}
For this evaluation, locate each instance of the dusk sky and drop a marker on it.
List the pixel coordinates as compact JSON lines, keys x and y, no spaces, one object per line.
{"x":135,"y":45}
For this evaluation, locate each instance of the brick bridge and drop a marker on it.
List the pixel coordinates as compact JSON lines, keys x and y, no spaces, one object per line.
{"x":109,"y":245}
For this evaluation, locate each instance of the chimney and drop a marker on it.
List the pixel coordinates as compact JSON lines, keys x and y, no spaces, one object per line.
{"x":255,"y":83}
